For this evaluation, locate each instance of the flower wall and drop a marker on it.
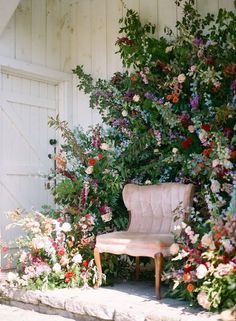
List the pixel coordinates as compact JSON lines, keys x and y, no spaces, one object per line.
{"x":169,"y":117}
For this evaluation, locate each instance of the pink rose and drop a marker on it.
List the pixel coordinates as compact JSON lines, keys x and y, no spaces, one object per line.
{"x":202,"y":299}
{"x":174,"y":249}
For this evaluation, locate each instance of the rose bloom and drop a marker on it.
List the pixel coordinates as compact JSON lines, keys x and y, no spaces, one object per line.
{"x":77,"y":258}
{"x":56,"y":267}
{"x":181,"y":78}
{"x":201,"y":271}
{"x":191,"y":128}
{"x":66,"y":227}
{"x":193,"y":68}
{"x":136,"y":98}
{"x":106,"y":217}
{"x":124,"y":113}
{"x":207,"y":241}
{"x":89,"y":170}
{"x":203,"y":300}
{"x":174,"y":150}
{"x":224,"y":269}
{"x":174,"y":249}
{"x":92,"y":161}
{"x":215,"y":186}
{"x":64,"y":261}
{"x":104,"y":146}
{"x":215,"y":163}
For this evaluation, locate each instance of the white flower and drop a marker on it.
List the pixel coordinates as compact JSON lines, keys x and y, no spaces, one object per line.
{"x":193,"y":68}
{"x":181,"y":255}
{"x":203,"y":300}
{"x":136,"y":98}
{"x":215,"y":186}
{"x":12,"y":276}
{"x":40,"y":242}
{"x":228,"y":246}
{"x":174,"y":150}
{"x":181,"y":78}
{"x":174,"y":249}
{"x":23,"y":256}
{"x":56,"y":267}
{"x":89,"y":170}
{"x":66,"y":227}
{"x":104,"y":146}
{"x":147,"y":182}
{"x":106,"y":217}
{"x":77,"y":258}
{"x":124,"y":113}
{"x":169,"y":49}
{"x":201,"y":271}
{"x":228,"y":164}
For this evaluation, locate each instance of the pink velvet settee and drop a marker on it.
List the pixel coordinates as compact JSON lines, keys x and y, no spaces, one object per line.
{"x":150,"y":226}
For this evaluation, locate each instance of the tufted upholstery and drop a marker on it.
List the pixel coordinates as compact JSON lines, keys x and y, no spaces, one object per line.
{"x":151,"y":224}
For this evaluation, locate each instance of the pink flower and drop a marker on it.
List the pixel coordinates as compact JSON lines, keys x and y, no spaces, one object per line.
{"x":202,"y":299}
{"x":174,"y":249}
{"x":207,"y":241}
{"x":223,"y":269}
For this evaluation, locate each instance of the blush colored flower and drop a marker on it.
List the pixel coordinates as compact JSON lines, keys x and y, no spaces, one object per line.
{"x":181,"y":78}
{"x":202,"y":299}
{"x":224,"y":269}
{"x":215,"y":163}
{"x":207,"y":241}
{"x":215,"y":186}
{"x":89,"y":170}
{"x":191,"y":128}
{"x":136,"y":98}
{"x":174,"y":150}
{"x":201,"y":271}
{"x":174,"y":249}
{"x":104,"y":146}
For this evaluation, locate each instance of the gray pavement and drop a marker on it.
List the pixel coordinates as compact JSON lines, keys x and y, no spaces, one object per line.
{"x":11,"y":313}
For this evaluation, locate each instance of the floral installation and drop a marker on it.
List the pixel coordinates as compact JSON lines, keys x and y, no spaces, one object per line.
{"x":203,"y":265}
{"x":169,"y":117}
{"x":48,"y":256}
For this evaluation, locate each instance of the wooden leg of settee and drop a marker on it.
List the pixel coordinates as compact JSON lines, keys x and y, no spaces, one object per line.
{"x":97,"y":259}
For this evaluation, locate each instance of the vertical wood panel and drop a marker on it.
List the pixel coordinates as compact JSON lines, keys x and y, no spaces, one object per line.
{"x":148,"y":13}
{"x":227,"y":4}
{"x":53,"y":34}
{"x":82,"y":56}
{"x":23,"y":31}
{"x":65,"y":39}
{"x":166,"y":15}
{"x":99,"y":43}
{"x":114,"y":13}
{"x":205,"y":6}
{"x":8,"y":39}
{"x":39,"y":32}
{"x":132,"y":4}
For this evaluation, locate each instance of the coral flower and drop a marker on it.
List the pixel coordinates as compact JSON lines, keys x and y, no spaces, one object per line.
{"x":186,"y":277}
{"x":190,"y":287}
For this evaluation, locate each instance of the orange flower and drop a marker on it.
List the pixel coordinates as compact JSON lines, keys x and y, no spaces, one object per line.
{"x":186,"y":277}
{"x":175,"y":99}
{"x":169,"y":97}
{"x":92,"y":162}
{"x":190,"y":287}
{"x":133,"y":77}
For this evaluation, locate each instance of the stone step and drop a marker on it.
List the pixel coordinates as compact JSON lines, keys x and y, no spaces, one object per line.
{"x":131,"y":301}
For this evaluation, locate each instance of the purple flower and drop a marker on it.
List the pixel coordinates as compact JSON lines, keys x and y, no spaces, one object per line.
{"x":197,"y":42}
{"x":120,"y":122}
{"x":233,"y":85}
{"x":194,"y":102}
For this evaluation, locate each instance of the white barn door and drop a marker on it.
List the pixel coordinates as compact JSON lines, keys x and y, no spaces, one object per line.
{"x":25,"y":105}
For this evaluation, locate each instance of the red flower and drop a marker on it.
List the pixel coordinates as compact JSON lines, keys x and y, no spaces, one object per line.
{"x":207,"y":152}
{"x":187,"y":268}
{"x":92,"y":161}
{"x":100,"y":156}
{"x":206,"y":127}
{"x":233,"y":154}
{"x":230,"y":70}
{"x":69,"y":275}
{"x":85,"y":263}
{"x":5,"y":249}
{"x":186,"y":143}
{"x":61,"y":252}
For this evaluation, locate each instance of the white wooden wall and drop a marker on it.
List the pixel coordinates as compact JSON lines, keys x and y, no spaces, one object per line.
{"x":39,"y":32}
{"x":95,"y":24}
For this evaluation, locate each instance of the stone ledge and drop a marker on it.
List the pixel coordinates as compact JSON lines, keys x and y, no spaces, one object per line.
{"x":134,"y":301}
